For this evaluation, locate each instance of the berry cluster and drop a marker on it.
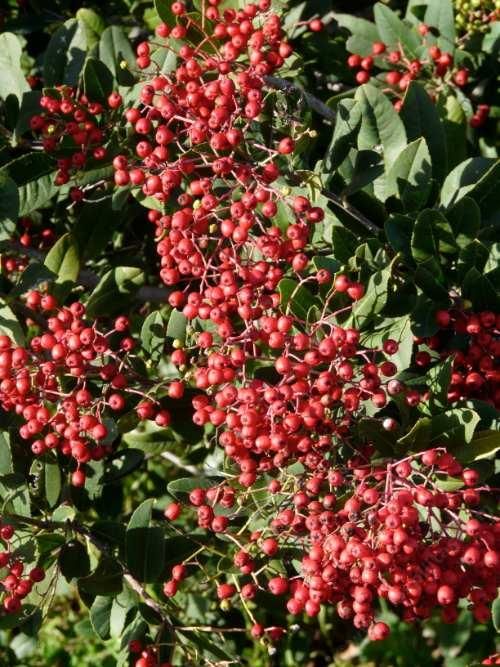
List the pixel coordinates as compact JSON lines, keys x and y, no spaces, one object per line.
{"x":74,"y":129}
{"x":399,"y":537}
{"x":51,"y":384}
{"x":472,"y":16}
{"x":436,"y":70}
{"x":143,"y":655}
{"x":272,"y":347}
{"x":233,"y":232}
{"x":475,"y":358}
{"x":15,"y":582}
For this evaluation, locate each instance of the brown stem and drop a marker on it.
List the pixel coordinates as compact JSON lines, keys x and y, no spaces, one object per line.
{"x":287,"y":87}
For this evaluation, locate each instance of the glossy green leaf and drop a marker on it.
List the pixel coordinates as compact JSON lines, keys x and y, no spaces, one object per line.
{"x":93,"y":25}
{"x":363,"y":33}
{"x":177,"y":324}
{"x":106,"y":579}
{"x":394,"y":32}
{"x":53,"y":482}
{"x":484,"y":445}
{"x":421,"y":119}
{"x":295,"y":298}
{"x":381,"y":125}
{"x":12,"y":78}
{"x":100,"y":615}
{"x":454,"y":427}
{"x":33,"y":173}
{"x":9,"y":206}
{"x":116,"y":53}
{"x":64,"y":262}
{"x":9,"y":324}
{"x":409,"y":178}
{"x":65,"y":55}
{"x":153,"y":335}
{"x":97,"y":80}
{"x":476,"y":177}
{"x":347,"y":125}
{"x":74,"y":561}
{"x":114,"y":291}
{"x":122,"y":463}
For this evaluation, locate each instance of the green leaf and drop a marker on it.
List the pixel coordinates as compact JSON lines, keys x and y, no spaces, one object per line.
{"x":373,"y":432}
{"x":114,"y":290}
{"x":484,"y":445}
{"x":12,"y":79}
{"x":465,"y":220}
{"x":34,"y":274}
{"x":347,"y":124}
{"x":380,"y":123}
{"x":53,"y":482}
{"x":141,"y":518}
{"x":105,"y":580}
{"x":475,"y":255}
{"x":417,"y":438}
{"x":145,"y":553}
{"x":94,"y":228}
{"x":74,"y":561}
{"x":92,"y":23}
{"x":63,"y":260}
{"x":455,"y":124}
{"x":344,"y":243}
{"x":476,"y":177}
{"x":295,"y":298}
{"x":100,"y":615}
{"x":114,"y":50}
{"x":122,"y":463}
{"x":409,"y":178}
{"x":438,"y":380}
{"x":363,"y":33}
{"x":145,"y":548}
{"x":6,"y":465}
{"x":177,"y":323}
{"x":395,"y":32}
{"x":97,"y":80}
{"x":30,"y":105}
{"x":479,"y":289}
{"x":65,"y":55}
{"x":153,"y":335}
{"x":165,"y":12}
{"x":121,"y":605}
{"x":398,"y":229}
{"x":430,"y":282}
{"x":454,"y":427}
{"x":495,"y":613}
{"x":367,"y":167}
{"x":423,"y":317}
{"x":9,"y":324}
{"x":421,"y":119}
{"x":33,"y":174}
{"x":440,"y":15}
{"x":374,"y":299}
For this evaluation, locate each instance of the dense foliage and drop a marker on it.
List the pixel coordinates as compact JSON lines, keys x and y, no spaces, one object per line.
{"x":249,"y":317}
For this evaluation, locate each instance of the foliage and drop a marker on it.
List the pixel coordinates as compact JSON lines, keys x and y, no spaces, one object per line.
{"x":249,"y":316}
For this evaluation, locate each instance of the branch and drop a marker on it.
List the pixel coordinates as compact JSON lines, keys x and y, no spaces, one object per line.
{"x":287,"y":87}
{"x":352,"y":211}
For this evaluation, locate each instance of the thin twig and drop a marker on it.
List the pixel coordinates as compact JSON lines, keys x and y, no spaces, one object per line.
{"x":176,"y":461}
{"x":352,"y":211}
{"x":287,"y":87}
